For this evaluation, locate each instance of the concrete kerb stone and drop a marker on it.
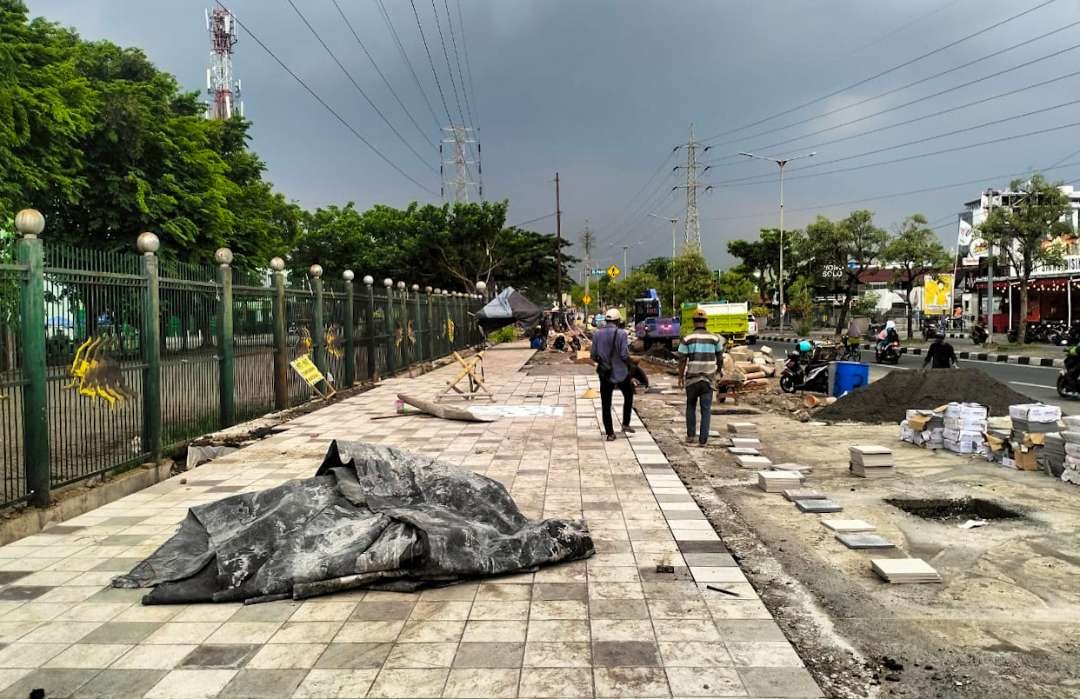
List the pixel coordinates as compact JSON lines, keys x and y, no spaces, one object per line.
{"x":975,"y":356}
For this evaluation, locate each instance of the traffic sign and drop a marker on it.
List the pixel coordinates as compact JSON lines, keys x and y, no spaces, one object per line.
{"x":586,"y":299}
{"x":613,"y":271}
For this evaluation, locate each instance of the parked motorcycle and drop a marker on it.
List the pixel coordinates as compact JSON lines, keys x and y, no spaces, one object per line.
{"x":887,"y":353}
{"x":797,"y":376}
{"x":1068,"y":382}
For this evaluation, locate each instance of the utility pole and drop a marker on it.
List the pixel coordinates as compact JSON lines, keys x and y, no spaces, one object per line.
{"x":990,"y":275}
{"x":692,"y":230}
{"x":587,"y":243}
{"x":558,"y":246}
{"x":454,"y":168}
{"x":625,"y":265}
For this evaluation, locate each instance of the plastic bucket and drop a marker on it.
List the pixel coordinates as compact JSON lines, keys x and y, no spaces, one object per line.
{"x":849,"y":376}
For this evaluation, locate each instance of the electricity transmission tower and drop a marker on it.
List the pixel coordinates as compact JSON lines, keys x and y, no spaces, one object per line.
{"x":456,"y":165}
{"x":692,"y":231}
{"x":587,"y":244}
{"x":223,"y":90}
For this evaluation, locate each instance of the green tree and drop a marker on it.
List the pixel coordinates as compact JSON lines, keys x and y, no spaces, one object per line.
{"x":914,"y":251}
{"x":801,"y":302}
{"x":1025,"y":228}
{"x":846,"y":248}
{"x":694,"y":281}
{"x":734,"y":286}
{"x":760,"y":260}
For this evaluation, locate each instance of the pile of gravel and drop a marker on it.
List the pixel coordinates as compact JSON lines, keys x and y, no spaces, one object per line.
{"x":889,"y":398}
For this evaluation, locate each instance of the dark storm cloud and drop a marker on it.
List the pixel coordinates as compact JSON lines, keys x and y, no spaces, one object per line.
{"x":601,"y":91}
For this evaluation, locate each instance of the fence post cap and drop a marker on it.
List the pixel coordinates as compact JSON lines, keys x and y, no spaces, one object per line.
{"x":369,"y":280}
{"x":223,"y":256}
{"x":277,"y":264}
{"x":481,"y":286}
{"x":148,"y":243}
{"x":30,"y":223}
{"x":427,"y":289}
{"x":416,"y":287}
{"x":315,"y":271}
{"x":388,"y":282}
{"x":401,"y":286}
{"x":348,"y":275}
{"x":438,"y":291}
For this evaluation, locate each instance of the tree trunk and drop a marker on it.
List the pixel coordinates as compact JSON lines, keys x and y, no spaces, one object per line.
{"x":1021,"y":323}
{"x":849,"y":293}
{"x":907,"y":302}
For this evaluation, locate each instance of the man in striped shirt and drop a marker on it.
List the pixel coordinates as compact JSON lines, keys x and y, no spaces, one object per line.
{"x":701,"y":357}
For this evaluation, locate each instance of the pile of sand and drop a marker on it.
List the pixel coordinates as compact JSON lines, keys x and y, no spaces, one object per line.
{"x":889,"y":398}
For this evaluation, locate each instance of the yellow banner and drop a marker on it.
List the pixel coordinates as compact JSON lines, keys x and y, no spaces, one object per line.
{"x":937,"y":293}
{"x":307,"y":370}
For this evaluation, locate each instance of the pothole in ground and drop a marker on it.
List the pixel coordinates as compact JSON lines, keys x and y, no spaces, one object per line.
{"x":953,"y":509}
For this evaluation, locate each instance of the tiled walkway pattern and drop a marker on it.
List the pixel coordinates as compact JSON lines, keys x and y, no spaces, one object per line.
{"x":609,"y":626}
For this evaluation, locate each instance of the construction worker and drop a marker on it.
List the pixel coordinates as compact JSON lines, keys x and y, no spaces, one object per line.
{"x":701,"y":359}
{"x":611,"y":352}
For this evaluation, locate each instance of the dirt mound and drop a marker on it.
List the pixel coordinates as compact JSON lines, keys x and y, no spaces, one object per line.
{"x":888,"y":399}
{"x":661,"y":352}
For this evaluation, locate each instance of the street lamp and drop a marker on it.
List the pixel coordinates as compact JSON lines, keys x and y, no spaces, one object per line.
{"x":674,"y":224}
{"x":781,"y":163}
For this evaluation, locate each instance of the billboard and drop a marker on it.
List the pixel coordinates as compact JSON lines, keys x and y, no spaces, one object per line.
{"x":937,"y":293}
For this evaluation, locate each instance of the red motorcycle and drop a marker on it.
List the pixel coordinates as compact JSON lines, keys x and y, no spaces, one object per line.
{"x":888,"y":352}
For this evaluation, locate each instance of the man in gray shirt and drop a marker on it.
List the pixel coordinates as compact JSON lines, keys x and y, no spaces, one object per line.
{"x":611,"y":352}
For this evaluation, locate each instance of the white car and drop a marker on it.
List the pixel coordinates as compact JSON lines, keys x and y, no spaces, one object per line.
{"x":751,"y":330}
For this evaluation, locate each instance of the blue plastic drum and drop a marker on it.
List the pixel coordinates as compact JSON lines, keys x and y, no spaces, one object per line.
{"x":849,"y":376}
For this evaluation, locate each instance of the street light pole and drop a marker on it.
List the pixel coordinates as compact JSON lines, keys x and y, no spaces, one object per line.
{"x":781,"y":163}
{"x":674,"y":225}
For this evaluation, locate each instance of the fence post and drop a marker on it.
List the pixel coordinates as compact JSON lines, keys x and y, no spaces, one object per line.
{"x":148,"y":244}
{"x":430,"y":328}
{"x":350,"y":349}
{"x":388,"y":314}
{"x":370,"y":324}
{"x":318,"y":330}
{"x":30,"y":252}
{"x":281,"y":344}
{"x":418,"y":349}
{"x":403,"y":322}
{"x":227,"y":369}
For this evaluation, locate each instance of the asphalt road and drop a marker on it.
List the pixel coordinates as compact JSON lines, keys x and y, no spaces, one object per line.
{"x":1033,"y":381}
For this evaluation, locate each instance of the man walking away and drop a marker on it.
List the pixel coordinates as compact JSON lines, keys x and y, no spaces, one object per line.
{"x":611,"y":352}
{"x":700,"y":361}
{"x":941,"y":353}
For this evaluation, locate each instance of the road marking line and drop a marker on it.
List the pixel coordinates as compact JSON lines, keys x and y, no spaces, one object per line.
{"x":1033,"y":385}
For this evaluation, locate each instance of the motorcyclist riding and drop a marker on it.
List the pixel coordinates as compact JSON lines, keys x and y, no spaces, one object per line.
{"x":889,"y":335}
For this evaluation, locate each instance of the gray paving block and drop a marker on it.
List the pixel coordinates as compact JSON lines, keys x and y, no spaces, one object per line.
{"x":119,"y":683}
{"x":865,"y":541}
{"x":818,"y":506}
{"x":804,"y":494}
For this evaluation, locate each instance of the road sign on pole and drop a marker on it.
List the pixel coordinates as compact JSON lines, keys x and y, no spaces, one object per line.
{"x":613,"y":271}
{"x":586,"y":299}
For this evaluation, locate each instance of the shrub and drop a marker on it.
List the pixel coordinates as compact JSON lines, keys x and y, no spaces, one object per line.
{"x":507,"y":334}
{"x":760,"y":311}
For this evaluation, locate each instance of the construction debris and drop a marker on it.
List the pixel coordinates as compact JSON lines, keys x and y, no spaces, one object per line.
{"x":439,"y":410}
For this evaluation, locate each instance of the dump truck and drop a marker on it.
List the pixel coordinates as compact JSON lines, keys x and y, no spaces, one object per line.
{"x":649,"y":326}
{"x":732,"y":320}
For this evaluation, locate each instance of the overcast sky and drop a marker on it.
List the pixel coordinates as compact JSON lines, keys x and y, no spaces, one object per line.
{"x":602,"y":90}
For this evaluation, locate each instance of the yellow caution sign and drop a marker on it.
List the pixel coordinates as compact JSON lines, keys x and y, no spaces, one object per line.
{"x":586,"y":299}
{"x":613,"y":271}
{"x":311,"y":374}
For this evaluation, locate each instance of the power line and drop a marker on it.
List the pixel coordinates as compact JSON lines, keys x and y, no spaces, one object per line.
{"x":894,"y":195}
{"x":457,"y":59}
{"x":468,"y":66}
{"x":955,"y":132}
{"x":645,"y":204}
{"x":381,"y":75}
{"x":927,"y":79}
{"x":431,"y":62}
{"x":405,"y":57}
{"x":358,"y":88}
{"x":887,"y":71}
{"x":636,"y":197}
{"x":325,"y":105}
{"x":913,"y":120}
{"x":449,"y":69}
{"x":531,"y":220}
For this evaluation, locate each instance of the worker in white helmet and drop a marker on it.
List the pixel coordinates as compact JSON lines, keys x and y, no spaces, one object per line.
{"x":611,"y":352}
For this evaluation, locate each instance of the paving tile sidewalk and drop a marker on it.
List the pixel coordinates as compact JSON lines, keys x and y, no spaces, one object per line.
{"x":611,"y":626}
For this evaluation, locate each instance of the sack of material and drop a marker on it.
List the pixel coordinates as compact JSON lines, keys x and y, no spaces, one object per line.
{"x":371,"y":517}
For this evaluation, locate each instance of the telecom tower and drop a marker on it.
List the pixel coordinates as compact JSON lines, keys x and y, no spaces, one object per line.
{"x":692,"y":232}
{"x":223,"y":90}
{"x":455,"y":165}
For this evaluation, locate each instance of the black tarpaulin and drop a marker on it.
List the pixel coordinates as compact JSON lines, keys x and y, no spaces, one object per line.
{"x":509,"y":307}
{"x":371,"y":517}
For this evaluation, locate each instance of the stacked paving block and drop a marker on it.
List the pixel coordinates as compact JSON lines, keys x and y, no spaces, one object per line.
{"x":965,"y":425}
{"x":904,"y":570}
{"x":1031,"y":422}
{"x":778,"y":481}
{"x":871,"y":461}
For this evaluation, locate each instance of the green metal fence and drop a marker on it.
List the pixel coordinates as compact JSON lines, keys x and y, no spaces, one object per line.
{"x":108,"y":358}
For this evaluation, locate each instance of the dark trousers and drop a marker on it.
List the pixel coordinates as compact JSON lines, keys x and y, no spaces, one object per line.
{"x":607,"y":389}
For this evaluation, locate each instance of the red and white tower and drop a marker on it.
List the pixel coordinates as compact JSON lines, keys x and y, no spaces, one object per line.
{"x":223,"y":89}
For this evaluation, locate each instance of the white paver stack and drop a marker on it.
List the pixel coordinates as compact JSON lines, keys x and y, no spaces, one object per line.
{"x":965,"y":424}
